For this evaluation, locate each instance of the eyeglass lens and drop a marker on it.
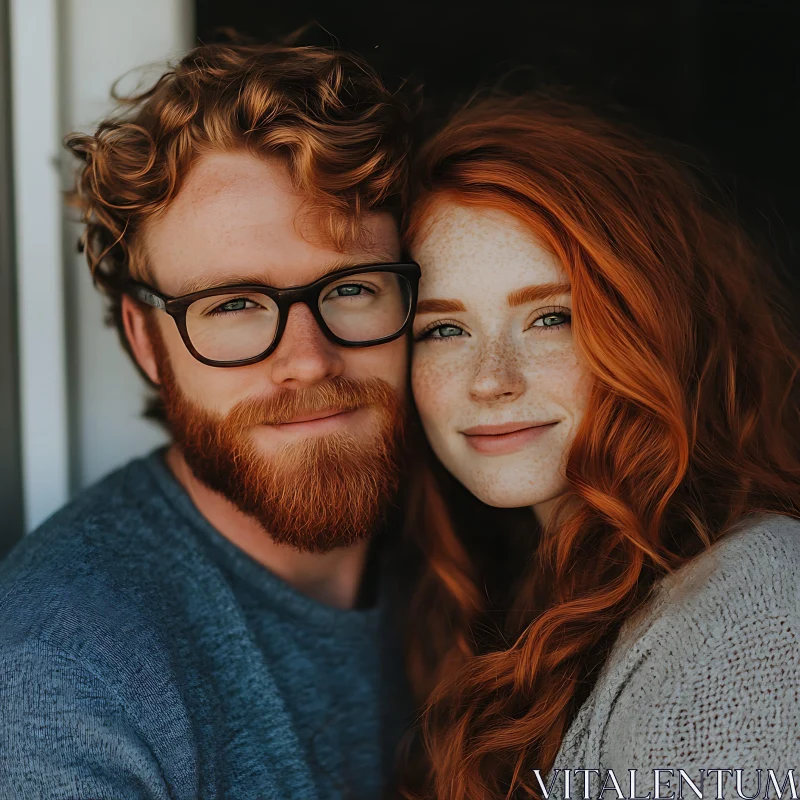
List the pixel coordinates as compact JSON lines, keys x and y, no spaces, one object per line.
{"x":236,"y":326}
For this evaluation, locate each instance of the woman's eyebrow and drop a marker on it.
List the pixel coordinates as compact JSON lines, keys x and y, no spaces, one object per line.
{"x":439,"y":306}
{"x":537,"y":292}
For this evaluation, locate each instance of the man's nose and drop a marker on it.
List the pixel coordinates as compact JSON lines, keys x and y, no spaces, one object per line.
{"x":304,"y":356}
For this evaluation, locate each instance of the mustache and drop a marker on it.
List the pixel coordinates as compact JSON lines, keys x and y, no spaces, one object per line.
{"x":340,"y":393}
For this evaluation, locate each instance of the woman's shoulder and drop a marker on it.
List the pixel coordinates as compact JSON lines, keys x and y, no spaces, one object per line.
{"x":714,"y":653}
{"x":753,"y":566}
{"x":709,"y":666}
{"x":738,"y":592}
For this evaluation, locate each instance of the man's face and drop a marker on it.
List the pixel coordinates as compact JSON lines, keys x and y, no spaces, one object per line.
{"x":236,"y":220}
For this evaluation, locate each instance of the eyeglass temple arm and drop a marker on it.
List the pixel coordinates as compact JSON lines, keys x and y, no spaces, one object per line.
{"x":148,"y":297}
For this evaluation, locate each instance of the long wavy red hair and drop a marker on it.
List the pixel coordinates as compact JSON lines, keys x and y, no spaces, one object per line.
{"x":693,"y":422}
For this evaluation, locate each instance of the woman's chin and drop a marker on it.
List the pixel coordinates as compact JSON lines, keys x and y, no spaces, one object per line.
{"x":511,"y":494}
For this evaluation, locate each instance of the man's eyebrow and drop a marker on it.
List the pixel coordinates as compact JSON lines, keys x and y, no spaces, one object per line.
{"x":439,"y":306}
{"x":343,"y":262}
{"x":215,"y":281}
{"x":537,"y":292}
{"x":204,"y":282}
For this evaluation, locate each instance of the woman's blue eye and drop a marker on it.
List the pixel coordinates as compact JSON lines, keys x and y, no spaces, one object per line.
{"x":442,"y":332}
{"x":448,"y":330}
{"x":552,"y":320}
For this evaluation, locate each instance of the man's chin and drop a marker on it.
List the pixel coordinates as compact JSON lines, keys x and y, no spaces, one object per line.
{"x":326,"y":492}
{"x":315,"y":483}
{"x":315,"y":494}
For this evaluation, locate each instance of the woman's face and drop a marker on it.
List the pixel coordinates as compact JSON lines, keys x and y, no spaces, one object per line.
{"x":498,"y":384}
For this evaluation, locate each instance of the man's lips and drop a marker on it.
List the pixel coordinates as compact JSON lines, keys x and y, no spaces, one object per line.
{"x":313,"y":423}
{"x":506,"y":438}
{"x":316,"y":415}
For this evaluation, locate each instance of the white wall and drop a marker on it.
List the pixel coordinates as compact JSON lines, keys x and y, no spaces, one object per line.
{"x":80,"y":397}
{"x":101,"y":41}
{"x":37,"y":219}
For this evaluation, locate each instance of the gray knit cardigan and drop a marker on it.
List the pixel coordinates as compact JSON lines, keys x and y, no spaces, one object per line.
{"x":704,"y":679}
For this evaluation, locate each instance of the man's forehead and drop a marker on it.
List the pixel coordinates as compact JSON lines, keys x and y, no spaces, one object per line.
{"x":217,"y":174}
{"x":237,"y":217}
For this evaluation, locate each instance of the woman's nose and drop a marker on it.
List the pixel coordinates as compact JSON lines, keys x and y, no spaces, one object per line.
{"x":497,"y":376}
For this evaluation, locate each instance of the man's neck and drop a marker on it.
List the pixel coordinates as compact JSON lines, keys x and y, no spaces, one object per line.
{"x":331,"y":578}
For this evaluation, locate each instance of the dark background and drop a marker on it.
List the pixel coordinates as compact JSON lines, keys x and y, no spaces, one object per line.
{"x":719,"y":75}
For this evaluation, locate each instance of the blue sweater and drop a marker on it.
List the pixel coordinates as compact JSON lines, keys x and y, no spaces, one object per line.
{"x":143,"y":655}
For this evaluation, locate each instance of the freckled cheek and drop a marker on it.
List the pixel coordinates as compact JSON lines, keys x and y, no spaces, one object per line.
{"x":439,"y":386}
{"x":560,"y":377}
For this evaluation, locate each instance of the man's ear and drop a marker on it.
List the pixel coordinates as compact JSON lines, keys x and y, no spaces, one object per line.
{"x":135,"y":323}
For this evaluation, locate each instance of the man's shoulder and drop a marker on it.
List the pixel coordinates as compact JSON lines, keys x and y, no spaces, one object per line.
{"x":117,"y":512}
{"x":127,"y":497}
{"x":87,"y":676}
{"x":85,"y":570}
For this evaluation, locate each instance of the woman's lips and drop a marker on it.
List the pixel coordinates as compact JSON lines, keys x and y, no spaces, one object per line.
{"x":508,"y":438}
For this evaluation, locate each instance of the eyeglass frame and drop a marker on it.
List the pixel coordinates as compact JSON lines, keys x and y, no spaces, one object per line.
{"x":284,"y":299}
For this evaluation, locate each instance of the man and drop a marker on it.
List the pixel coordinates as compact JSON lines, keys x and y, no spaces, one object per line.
{"x":213,"y":620}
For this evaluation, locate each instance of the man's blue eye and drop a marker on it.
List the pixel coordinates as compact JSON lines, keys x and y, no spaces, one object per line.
{"x":233,"y":305}
{"x":349,"y":290}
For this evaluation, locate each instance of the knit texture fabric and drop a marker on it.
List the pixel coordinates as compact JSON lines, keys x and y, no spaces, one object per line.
{"x":143,"y":655}
{"x":706,"y":676}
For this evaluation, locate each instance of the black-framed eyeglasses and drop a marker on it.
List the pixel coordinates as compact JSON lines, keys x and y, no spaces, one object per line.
{"x":231,"y":326}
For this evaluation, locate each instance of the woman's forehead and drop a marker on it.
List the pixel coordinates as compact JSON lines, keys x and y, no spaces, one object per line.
{"x":472,"y":248}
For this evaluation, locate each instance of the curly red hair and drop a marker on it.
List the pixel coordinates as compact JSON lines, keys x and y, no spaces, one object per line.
{"x":693,"y":422}
{"x":326,"y":114}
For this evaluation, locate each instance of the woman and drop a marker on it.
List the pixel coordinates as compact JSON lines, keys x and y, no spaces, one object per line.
{"x":596,"y":342}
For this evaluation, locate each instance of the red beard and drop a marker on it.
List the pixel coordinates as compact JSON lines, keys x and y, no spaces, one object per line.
{"x":325,"y":492}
